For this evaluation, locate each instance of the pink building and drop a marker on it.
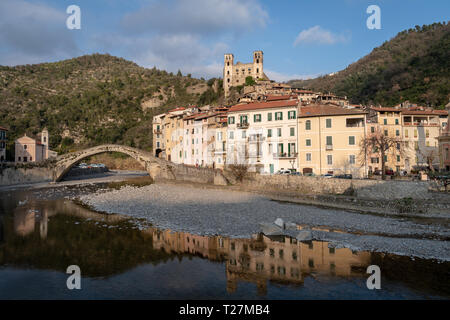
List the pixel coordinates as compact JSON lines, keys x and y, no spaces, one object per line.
{"x":30,"y":150}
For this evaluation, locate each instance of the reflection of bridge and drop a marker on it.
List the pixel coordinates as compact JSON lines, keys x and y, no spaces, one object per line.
{"x":156,"y":167}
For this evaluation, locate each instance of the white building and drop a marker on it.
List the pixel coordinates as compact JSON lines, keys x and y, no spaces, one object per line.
{"x":263,"y":135}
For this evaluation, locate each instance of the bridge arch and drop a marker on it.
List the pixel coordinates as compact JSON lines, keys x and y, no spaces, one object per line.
{"x":154,"y":166}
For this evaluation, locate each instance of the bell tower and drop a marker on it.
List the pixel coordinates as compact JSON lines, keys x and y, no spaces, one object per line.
{"x":44,"y":141}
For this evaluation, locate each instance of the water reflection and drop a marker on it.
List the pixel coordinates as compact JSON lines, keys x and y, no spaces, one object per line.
{"x":55,"y":234}
{"x":279,"y":259}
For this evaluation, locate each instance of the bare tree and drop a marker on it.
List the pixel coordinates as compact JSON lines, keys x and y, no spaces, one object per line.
{"x":430,"y":154}
{"x":381,"y":145}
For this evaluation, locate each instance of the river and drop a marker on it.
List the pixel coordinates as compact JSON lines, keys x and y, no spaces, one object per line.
{"x":42,"y":232}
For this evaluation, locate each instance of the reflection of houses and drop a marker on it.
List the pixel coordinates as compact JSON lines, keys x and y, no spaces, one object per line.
{"x":3,"y":144}
{"x":30,"y":150}
{"x":279,"y":259}
{"x":444,"y":145}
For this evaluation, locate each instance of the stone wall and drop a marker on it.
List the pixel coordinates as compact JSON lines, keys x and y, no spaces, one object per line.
{"x":12,"y":175}
{"x":364,"y":189}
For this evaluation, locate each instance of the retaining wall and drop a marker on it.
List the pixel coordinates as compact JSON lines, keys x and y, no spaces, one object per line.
{"x":364,"y":189}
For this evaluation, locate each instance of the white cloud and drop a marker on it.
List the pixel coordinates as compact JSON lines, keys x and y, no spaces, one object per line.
{"x":196,"y":17}
{"x":283,"y":77}
{"x":183,"y":52}
{"x":31,"y":33}
{"x":318,"y":35}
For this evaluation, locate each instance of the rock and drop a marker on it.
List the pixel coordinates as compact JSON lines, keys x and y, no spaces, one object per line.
{"x":304,"y":235}
{"x":270,"y":229}
{"x":279,"y":222}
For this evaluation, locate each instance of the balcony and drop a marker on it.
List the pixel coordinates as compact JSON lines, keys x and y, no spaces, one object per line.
{"x":329,"y":147}
{"x":242,"y":125}
{"x":285,"y":155}
{"x":157,"y":131}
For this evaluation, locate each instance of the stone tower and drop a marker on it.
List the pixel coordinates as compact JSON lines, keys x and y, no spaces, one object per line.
{"x":228,"y":72}
{"x":44,"y":141}
{"x":235,"y":74}
{"x":258,"y":64}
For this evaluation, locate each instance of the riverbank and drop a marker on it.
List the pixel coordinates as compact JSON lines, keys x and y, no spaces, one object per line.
{"x":220,"y":211}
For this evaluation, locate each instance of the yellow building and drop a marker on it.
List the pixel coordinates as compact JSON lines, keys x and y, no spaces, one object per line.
{"x":328,"y":139}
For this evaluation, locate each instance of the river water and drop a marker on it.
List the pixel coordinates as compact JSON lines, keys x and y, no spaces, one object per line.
{"x":43,"y":232}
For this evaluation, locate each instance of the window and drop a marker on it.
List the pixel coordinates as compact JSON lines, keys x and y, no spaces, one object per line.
{"x":415,"y":133}
{"x":416,"y":145}
{"x":328,"y":123}
{"x":308,"y":125}
{"x":427,"y":133}
{"x":244,"y":134}
{"x":231,"y":135}
{"x":374,"y":160}
{"x":372,"y":129}
{"x":291,"y":115}
{"x":398,"y":158}
{"x":329,"y":159}
{"x":329,"y":140}
{"x":397,"y":133}
{"x":308,"y":157}
{"x":396,"y":121}
{"x":269,"y":116}
{"x":278,"y":115}
{"x":292,"y":131}
{"x":257,"y":118}
{"x":385,"y":158}
{"x":406,"y":133}
{"x":157,"y":144}
{"x":31,"y":158}
{"x":385,"y":121}
{"x":308,"y":142}
{"x":231,"y":120}
{"x":269,"y":133}
{"x":25,"y":147}
{"x":386,"y":133}
{"x":351,"y":140}
{"x":279,"y":132}
{"x":352,"y":159}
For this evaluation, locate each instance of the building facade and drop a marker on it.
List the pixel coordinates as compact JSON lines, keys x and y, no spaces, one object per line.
{"x":444,"y":144}
{"x":3,"y":142}
{"x":329,"y":138}
{"x":263,"y":135}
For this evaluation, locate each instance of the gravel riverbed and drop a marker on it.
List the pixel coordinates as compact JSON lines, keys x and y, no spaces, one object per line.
{"x":209,"y":211}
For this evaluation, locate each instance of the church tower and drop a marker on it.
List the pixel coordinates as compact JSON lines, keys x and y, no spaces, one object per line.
{"x":44,"y":141}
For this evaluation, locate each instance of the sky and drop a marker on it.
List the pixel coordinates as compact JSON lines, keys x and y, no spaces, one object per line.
{"x":300,"y":38}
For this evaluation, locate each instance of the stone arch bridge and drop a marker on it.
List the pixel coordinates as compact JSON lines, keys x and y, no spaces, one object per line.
{"x":158,"y":169}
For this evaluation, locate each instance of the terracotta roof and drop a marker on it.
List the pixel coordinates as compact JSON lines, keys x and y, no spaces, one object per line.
{"x":177,"y":109}
{"x":426,"y":112}
{"x":386,"y":109}
{"x":2,"y":128}
{"x":194,"y":116}
{"x":317,"y":110}
{"x":275,"y":98}
{"x":264,"y":105}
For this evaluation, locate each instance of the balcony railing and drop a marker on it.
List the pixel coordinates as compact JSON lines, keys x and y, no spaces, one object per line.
{"x":329,"y":147}
{"x":285,"y":155}
{"x":242,"y":125}
{"x":157,"y":131}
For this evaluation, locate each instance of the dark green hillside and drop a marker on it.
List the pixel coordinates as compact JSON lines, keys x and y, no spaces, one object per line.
{"x":90,"y":100}
{"x":414,"y":66}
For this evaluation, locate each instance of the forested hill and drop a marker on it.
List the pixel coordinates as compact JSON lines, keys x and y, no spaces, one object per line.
{"x":414,"y":66}
{"x":93,"y":99}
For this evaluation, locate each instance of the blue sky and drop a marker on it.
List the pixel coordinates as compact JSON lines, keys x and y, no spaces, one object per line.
{"x":193,"y":35}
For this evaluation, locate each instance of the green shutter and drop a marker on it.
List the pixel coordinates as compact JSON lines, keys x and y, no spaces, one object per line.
{"x":269,"y":116}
